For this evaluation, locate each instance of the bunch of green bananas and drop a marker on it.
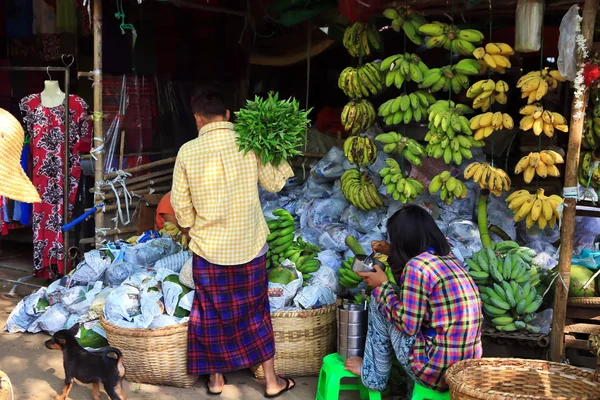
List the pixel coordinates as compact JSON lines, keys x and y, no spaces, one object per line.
{"x":591,"y":131}
{"x":455,"y":77}
{"x":360,"y":37}
{"x":408,"y":20}
{"x":303,"y":255}
{"x":360,"y":150}
{"x":348,"y":278}
{"x":406,"y":108}
{"x":358,"y":116}
{"x":460,"y":41}
{"x":508,"y":292}
{"x":585,"y":170}
{"x":403,"y":68}
{"x":449,"y":136}
{"x":399,"y":187}
{"x":449,"y":187}
{"x":409,"y":148}
{"x":359,"y":190}
{"x":360,"y":82}
{"x":281,"y":237}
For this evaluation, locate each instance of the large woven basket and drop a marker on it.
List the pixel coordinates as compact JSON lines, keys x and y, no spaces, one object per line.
{"x":513,"y":378}
{"x":155,"y":356}
{"x":5,"y":387}
{"x":586,"y":302}
{"x":302,"y":339}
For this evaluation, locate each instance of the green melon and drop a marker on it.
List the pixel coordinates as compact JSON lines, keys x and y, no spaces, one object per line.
{"x":579,"y":277}
{"x":281,"y":275}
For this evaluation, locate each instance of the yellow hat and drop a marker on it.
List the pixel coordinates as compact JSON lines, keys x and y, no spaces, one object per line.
{"x":14,"y":183}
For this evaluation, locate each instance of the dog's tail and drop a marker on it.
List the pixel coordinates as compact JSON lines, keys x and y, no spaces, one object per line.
{"x":119,"y":359}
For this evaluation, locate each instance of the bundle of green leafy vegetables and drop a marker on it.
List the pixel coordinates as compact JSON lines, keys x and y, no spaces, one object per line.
{"x":274,"y":129}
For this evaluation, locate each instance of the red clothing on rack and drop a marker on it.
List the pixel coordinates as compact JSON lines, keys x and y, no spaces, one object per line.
{"x":46,"y":126}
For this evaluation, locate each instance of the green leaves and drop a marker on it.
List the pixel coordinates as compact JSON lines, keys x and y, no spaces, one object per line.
{"x":274,"y":129}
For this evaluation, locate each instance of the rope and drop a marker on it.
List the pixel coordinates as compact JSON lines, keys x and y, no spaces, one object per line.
{"x":120,"y":179}
{"x":97,"y":149}
{"x":120,"y":15}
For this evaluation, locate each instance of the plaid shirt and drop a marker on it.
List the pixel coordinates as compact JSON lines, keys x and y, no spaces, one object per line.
{"x":215,"y":193}
{"x":439,"y":303}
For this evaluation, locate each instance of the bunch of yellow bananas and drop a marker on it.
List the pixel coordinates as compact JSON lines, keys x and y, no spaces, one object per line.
{"x":399,"y":187}
{"x":359,"y":190}
{"x":406,"y":108}
{"x":173,"y":231}
{"x":540,"y":120}
{"x":485,"y":92}
{"x":494,"y":56}
{"x":485,"y":124}
{"x":363,"y":81}
{"x":360,"y":37}
{"x":455,"y":78}
{"x":402,"y":68}
{"x":360,"y":150}
{"x":409,"y":148}
{"x":542,"y":163}
{"x":358,"y":116}
{"x":535,"y":208}
{"x":488,"y":177}
{"x":460,"y":41}
{"x":406,"y":19}
{"x":535,"y":84}
{"x":449,"y":187}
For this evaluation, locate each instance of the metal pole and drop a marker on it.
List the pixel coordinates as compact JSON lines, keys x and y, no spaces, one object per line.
{"x":98,"y":125}
{"x":67,"y":185}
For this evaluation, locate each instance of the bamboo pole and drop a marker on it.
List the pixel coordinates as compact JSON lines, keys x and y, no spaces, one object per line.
{"x":139,"y":192}
{"x":170,"y":160}
{"x":567,"y":231}
{"x":142,"y":178}
{"x":98,"y":125}
{"x":147,"y":153}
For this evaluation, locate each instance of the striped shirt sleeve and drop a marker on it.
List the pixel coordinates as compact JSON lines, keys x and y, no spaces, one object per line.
{"x":407,"y":308}
{"x":181,"y":197}
{"x":272,"y":178}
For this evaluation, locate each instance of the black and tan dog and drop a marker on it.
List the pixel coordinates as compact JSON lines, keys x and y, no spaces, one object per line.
{"x":87,"y":367}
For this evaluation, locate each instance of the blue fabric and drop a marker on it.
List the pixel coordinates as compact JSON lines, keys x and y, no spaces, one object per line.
{"x":19,"y":18}
{"x":17,"y":211}
{"x":26,"y":209}
{"x":5,"y":210}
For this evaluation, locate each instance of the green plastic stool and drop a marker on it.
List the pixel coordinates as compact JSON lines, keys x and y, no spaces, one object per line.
{"x":330,"y":377}
{"x":420,"y":392}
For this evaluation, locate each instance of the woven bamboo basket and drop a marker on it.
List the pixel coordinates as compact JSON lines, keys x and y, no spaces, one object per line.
{"x":155,"y":356}
{"x":586,"y":302}
{"x":513,"y":378}
{"x":595,"y":346}
{"x":302,"y":339}
{"x":5,"y":387}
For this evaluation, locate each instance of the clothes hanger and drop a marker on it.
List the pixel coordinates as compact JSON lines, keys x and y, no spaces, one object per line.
{"x":48,"y":73}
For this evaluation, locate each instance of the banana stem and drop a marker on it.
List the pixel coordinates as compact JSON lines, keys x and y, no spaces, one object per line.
{"x":486,"y":240}
{"x":499,"y":231}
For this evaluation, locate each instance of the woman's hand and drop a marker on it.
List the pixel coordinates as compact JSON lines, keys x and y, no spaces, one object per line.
{"x":381,"y":246}
{"x":374,"y":279}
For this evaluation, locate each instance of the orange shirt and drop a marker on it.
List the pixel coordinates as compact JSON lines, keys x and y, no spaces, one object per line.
{"x":164,"y":207}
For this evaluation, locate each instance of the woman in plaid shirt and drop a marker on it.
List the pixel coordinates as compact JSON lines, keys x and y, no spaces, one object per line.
{"x":432,"y":319}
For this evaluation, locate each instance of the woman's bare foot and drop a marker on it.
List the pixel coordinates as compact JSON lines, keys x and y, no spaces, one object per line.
{"x":353,"y":364}
{"x":282,"y":383}
{"x":216,"y":382}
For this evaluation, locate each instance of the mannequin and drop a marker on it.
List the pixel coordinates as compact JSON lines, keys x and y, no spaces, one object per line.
{"x":52,"y":96}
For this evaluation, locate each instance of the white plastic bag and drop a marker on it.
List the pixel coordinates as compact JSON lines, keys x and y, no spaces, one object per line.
{"x":52,"y":321}
{"x":567,"y":45}
{"x":330,"y":167}
{"x":280,"y":295}
{"x":123,"y":303}
{"x":528,"y":27}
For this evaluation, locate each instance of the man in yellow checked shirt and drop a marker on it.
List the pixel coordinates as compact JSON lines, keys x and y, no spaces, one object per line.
{"x":215,"y":195}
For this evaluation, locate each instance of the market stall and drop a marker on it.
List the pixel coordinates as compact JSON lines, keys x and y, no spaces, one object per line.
{"x":434,"y":108}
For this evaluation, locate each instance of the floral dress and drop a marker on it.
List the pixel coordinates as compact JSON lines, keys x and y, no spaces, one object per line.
{"x":46,"y":127}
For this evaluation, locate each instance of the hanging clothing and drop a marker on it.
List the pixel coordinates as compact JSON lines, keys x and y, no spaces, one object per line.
{"x":19,"y":18}
{"x":44,"y":17}
{"x":66,"y":16}
{"x":26,"y":208}
{"x":46,"y":127}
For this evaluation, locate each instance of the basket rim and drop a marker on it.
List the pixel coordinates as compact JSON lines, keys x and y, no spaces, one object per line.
{"x":143,"y":332}
{"x":304,"y":313}
{"x":481,"y":363}
{"x":584,"y":301}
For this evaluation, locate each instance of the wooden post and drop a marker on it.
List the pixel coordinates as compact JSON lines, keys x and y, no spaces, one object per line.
{"x":567,"y":231}
{"x":98,"y":125}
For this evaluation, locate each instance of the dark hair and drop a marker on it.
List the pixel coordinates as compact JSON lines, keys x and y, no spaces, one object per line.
{"x":412,"y":231}
{"x":209,"y":102}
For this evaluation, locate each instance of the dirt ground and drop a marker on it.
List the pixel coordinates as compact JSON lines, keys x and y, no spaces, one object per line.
{"x":37,"y":373}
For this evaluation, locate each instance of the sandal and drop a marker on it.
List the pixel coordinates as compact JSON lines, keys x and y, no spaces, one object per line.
{"x":289,"y":385}
{"x":210,"y":392}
